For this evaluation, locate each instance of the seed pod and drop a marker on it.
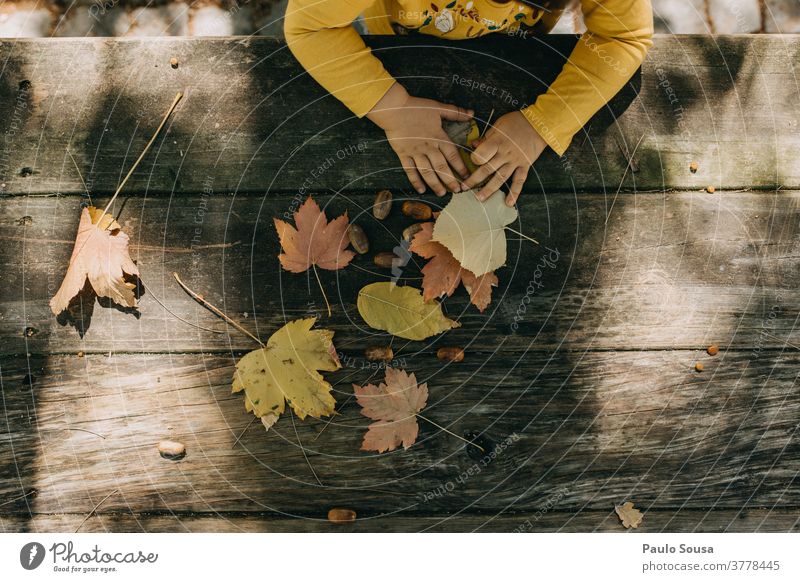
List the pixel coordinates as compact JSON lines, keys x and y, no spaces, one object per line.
{"x":340,"y":516}
{"x":712,"y":350}
{"x":710,"y":189}
{"x":698,"y":366}
{"x":410,"y":231}
{"x":379,"y":353}
{"x":385,"y":260}
{"x":383,"y":204}
{"x":451,"y":354}
{"x":173,"y":62}
{"x":172,"y":450}
{"x":693,"y":167}
{"x":417,"y":210}
{"x":358,"y":239}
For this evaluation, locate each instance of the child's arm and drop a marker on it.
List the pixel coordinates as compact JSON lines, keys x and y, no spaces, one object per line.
{"x":618,"y":35}
{"x":320,"y":36}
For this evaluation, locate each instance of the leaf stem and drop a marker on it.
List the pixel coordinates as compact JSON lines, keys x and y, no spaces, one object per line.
{"x":321,"y":288}
{"x":215,"y":310}
{"x":178,"y":97}
{"x":439,"y":426}
{"x":533,"y":240}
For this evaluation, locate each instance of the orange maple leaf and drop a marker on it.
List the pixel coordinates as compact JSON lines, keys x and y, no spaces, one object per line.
{"x":443,"y":273}
{"x":101,"y":254}
{"x":394,"y":405}
{"x":315,"y":241}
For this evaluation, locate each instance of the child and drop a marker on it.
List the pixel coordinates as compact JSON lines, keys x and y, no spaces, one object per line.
{"x":320,"y":35}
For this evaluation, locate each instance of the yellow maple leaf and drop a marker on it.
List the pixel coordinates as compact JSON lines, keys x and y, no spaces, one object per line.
{"x":286,"y":369}
{"x":402,"y":311}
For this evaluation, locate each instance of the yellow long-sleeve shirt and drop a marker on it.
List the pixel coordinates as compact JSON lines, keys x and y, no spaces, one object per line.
{"x":619,"y":32}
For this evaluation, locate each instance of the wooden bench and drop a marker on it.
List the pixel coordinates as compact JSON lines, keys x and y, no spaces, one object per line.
{"x":585,"y":361}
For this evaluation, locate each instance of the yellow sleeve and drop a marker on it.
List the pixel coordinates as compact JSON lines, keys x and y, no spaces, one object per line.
{"x":320,"y":35}
{"x":619,"y":33}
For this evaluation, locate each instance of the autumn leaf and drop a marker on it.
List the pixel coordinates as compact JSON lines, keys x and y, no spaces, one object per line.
{"x":443,"y":273}
{"x":463,"y":134}
{"x":474,"y":231}
{"x":101,"y":254}
{"x":286,"y":369}
{"x":315,"y":241}
{"x":394,"y":404}
{"x":628,"y":515}
{"x":402,"y":311}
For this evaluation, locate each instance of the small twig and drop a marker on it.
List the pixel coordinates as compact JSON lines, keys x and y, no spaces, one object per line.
{"x":624,"y":175}
{"x":215,"y":310}
{"x":85,"y":519}
{"x":141,"y":156}
{"x":533,"y":240}
{"x":439,"y":426}
{"x":175,"y":315}
{"x":78,"y":429}
{"x":77,"y":169}
{"x":241,"y":434}
{"x":321,"y":288}
{"x":302,"y":448}
{"x":486,"y":125}
{"x":28,"y":494}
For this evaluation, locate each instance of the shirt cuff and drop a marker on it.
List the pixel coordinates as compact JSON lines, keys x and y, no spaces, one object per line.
{"x":548,"y":129}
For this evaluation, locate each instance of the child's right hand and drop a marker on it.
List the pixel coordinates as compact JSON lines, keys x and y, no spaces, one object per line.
{"x":413,"y":127}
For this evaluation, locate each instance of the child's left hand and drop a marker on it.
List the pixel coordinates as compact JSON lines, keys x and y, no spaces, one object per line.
{"x":508,"y":149}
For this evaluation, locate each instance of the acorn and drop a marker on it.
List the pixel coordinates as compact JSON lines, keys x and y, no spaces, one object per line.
{"x":358,"y":239}
{"x":382,"y":205}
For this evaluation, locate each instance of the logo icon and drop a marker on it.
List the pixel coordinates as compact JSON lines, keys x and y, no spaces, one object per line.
{"x":31,"y":555}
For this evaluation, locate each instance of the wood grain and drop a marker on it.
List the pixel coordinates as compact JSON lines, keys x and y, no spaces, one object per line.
{"x":254,"y":122}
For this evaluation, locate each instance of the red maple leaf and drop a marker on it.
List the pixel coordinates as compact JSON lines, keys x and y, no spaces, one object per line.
{"x":315,"y":241}
{"x":394,"y":405}
{"x":442,"y":274}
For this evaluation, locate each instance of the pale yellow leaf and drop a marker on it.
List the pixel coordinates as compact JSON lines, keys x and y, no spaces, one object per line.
{"x":401,"y":311}
{"x":628,"y":515}
{"x":286,"y":369}
{"x":474,"y":231}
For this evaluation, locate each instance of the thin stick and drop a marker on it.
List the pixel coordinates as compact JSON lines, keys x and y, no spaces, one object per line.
{"x":136,"y":163}
{"x":624,"y":175}
{"x":451,"y":432}
{"x":249,"y":424}
{"x":175,"y":315}
{"x":324,"y":296}
{"x":486,"y":126}
{"x":78,"y":429}
{"x":85,"y":519}
{"x":215,"y":310}
{"x":77,"y":169}
{"x":28,"y":494}
{"x":522,"y":235}
{"x":302,"y":448}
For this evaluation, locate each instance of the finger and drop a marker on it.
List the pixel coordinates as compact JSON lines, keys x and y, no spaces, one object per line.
{"x":444,"y":171}
{"x":413,"y":175}
{"x":478,"y":176}
{"x":450,"y":152}
{"x":516,"y":185}
{"x":493,"y":185}
{"x":428,"y":174}
{"x":455,"y":113}
{"x":484,"y":152}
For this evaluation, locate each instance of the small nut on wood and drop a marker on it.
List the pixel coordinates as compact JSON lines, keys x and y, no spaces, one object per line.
{"x":340,"y":516}
{"x":451,"y":354}
{"x":379,"y":353}
{"x":383,"y":204}
{"x":385,"y":260}
{"x":410,"y":231}
{"x":710,"y":189}
{"x":358,"y":239}
{"x":698,"y":367}
{"x":172,"y":450}
{"x":417,"y":210}
{"x":712,"y":350}
{"x":173,"y":62}
{"x":693,"y":167}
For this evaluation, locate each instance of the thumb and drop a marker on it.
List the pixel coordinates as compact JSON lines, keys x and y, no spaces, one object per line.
{"x":455,"y":113}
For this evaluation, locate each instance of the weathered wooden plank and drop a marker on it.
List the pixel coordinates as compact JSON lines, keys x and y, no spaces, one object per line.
{"x":253,"y":121}
{"x":582,"y":430}
{"x":645,"y":271}
{"x":748,"y":520}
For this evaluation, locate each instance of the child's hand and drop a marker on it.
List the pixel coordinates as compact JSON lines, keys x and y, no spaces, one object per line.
{"x":414,"y":129}
{"x":508,"y":149}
